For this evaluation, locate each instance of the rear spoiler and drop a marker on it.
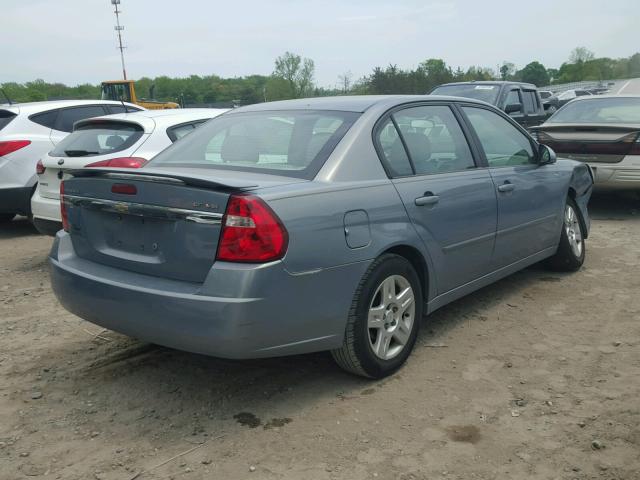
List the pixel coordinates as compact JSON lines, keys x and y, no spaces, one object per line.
{"x":160,"y":176}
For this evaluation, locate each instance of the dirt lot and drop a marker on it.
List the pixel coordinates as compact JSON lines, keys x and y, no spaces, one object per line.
{"x":536,"y":377}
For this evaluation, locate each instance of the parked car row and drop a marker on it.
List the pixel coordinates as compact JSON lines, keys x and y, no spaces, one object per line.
{"x":37,"y":147}
{"x":322,"y":224}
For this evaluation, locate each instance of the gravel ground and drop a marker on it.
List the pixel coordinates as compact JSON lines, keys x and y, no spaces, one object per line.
{"x":535,"y":377}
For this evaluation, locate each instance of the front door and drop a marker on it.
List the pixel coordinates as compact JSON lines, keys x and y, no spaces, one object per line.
{"x":450,"y":201}
{"x":529,"y":196}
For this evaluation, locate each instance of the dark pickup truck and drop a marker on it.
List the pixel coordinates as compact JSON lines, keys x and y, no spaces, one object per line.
{"x":521,"y":101}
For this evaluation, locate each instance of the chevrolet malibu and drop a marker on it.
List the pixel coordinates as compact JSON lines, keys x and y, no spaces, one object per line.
{"x":319,"y":224}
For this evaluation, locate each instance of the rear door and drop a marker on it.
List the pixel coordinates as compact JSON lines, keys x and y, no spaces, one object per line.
{"x":530,"y":196}
{"x":68,"y":116}
{"x":450,"y":201}
{"x":533,"y":110}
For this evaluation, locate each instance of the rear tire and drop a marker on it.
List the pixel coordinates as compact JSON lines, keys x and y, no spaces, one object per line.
{"x":6,"y":217}
{"x":572,"y":248}
{"x":384,"y":319}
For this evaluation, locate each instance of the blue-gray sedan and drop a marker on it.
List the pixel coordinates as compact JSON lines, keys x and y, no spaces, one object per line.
{"x":317,"y":224}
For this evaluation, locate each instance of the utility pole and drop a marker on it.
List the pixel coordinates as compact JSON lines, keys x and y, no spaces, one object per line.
{"x":119,"y":28}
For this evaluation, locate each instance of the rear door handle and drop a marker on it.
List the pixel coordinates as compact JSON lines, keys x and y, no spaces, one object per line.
{"x":506,"y":187}
{"x":428,"y":199}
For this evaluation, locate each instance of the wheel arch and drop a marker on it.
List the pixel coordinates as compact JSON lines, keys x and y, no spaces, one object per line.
{"x":572,"y":194}
{"x":418,"y":262}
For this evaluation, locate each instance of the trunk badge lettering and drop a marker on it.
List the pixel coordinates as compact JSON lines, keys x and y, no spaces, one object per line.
{"x":121,"y":207}
{"x":208,"y":206}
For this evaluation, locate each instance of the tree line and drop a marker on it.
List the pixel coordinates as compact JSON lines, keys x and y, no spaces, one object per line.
{"x":294,"y":77}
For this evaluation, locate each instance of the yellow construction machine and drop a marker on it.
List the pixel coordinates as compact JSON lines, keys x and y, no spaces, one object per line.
{"x":124,"y":90}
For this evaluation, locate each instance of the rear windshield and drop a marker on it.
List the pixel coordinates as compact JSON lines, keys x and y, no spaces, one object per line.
{"x":487,"y":93}
{"x":599,"y":110}
{"x":98,"y":138}
{"x":290,"y":143}
{"x":5,"y":117}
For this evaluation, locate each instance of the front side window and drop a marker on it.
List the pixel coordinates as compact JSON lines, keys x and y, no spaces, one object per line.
{"x":99,"y":138}
{"x":503,"y":144}
{"x":513,"y":98}
{"x":68,"y":116}
{"x":434,"y":139}
{"x":293,"y":143}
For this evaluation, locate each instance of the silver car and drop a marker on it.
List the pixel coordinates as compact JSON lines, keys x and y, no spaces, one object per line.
{"x":317,"y":224}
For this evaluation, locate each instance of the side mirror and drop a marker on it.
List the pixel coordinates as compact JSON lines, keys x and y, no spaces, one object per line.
{"x":513,"y":108}
{"x":546,"y":155}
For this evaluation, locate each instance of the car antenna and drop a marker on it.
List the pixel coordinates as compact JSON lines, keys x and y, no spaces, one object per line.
{"x":126,"y":110}
{"x":6,"y":96}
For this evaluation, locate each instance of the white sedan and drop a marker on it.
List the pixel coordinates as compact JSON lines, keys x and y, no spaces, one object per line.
{"x":126,"y":140}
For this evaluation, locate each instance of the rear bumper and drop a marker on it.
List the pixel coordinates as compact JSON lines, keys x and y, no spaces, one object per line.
{"x":45,"y":208}
{"x":256,"y":311}
{"x":624,"y":175}
{"x":16,"y":200}
{"x":47,"y":227}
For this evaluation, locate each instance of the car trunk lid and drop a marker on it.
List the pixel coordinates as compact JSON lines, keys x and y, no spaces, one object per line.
{"x":165,"y":224}
{"x":590,"y":143}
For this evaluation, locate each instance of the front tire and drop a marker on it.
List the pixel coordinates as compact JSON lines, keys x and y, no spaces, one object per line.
{"x":571,"y":249}
{"x":384,"y":319}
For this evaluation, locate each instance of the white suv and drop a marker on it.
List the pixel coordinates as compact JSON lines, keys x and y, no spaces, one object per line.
{"x":126,"y":140}
{"x":27,"y":132}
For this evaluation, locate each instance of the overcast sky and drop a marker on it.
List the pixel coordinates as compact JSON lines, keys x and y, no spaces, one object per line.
{"x":73,"y":41}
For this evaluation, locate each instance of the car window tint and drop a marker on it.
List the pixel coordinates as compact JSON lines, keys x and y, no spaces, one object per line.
{"x":435,"y":140}
{"x":6,"y":117}
{"x":503,"y":144}
{"x":529,"y":100}
{"x":394,"y":156}
{"x":46,"y":119}
{"x":513,"y":97}
{"x":121,"y":109}
{"x":294,"y":143}
{"x":68,"y":116}
{"x":98,"y":138}
{"x":179,"y":131}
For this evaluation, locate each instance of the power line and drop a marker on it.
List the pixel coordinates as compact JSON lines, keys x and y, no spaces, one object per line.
{"x":119,"y":28}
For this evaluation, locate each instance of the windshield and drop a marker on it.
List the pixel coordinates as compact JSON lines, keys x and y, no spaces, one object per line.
{"x":290,"y":143}
{"x":99,"y":138}
{"x":599,"y":110}
{"x":488,"y":93}
{"x":117,"y":92}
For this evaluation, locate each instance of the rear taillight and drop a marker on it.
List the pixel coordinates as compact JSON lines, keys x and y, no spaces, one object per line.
{"x":251,"y":232}
{"x":63,"y":209}
{"x":11,"y":146}
{"x":40,"y":167}
{"x":120,"y":162}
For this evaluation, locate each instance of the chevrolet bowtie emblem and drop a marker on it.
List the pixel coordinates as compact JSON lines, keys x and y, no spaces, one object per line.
{"x":121,"y":207}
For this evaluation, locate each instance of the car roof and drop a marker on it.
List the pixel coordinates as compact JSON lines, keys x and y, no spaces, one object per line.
{"x":36,"y":107}
{"x":355,"y":103}
{"x":599,"y":97}
{"x":150,"y":119}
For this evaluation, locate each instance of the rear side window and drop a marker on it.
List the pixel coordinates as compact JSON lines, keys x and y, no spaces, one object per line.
{"x":46,"y":119}
{"x":434,"y":139}
{"x":394,"y":155}
{"x":121,"y":109}
{"x":5,"y":117}
{"x":530,"y":101}
{"x":292,"y":143}
{"x":178,"y":131}
{"x":68,"y":116}
{"x":99,"y":138}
